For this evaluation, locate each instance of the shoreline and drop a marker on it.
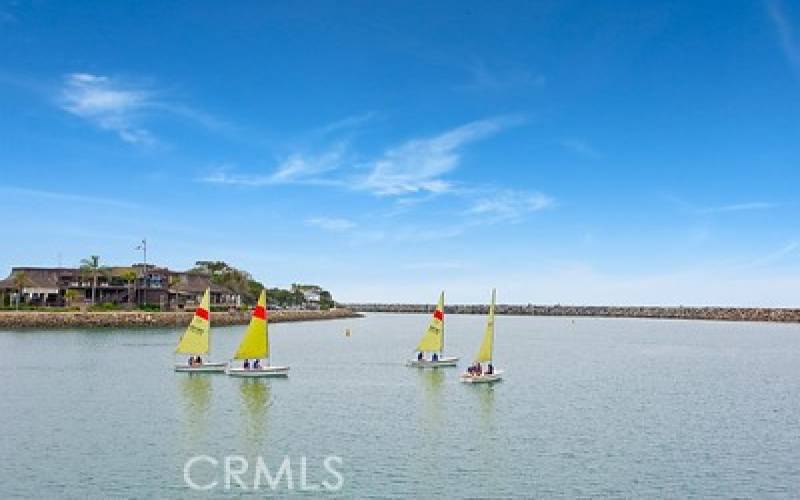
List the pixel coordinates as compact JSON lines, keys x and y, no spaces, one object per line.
{"x":750,"y":314}
{"x":12,"y":320}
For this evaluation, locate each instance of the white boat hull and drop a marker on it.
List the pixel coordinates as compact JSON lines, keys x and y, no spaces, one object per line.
{"x":482,"y":379}
{"x":203,"y":368}
{"x":427,"y":363}
{"x":267,"y":371}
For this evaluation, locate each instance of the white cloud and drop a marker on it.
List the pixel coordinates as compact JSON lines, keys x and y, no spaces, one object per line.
{"x":121,"y":106}
{"x":420,"y":164}
{"x":508,"y":204}
{"x":331,"y":223}
{"x":107,"y":104}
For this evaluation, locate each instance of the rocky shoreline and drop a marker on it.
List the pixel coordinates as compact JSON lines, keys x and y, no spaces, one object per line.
{"x":783,"y":315}
{"x":11,"y":320}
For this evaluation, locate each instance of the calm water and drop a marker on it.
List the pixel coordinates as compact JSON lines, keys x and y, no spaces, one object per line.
{"x":590,"y":407}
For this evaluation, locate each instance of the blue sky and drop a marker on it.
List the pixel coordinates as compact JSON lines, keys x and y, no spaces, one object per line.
{"x":564,"y":152}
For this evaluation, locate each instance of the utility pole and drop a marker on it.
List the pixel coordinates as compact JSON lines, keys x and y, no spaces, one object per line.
{"x":143,"y":248}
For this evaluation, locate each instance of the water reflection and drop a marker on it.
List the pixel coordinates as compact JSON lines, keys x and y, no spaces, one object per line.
{"x":255,"y":399}
{"x":486,"y":405}
{"x":195,"y":391}
{"x":430,"y":383}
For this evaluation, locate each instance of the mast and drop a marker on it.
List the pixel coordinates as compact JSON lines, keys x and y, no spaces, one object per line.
{"x":266,"y":326}
{"x":441,"y":353}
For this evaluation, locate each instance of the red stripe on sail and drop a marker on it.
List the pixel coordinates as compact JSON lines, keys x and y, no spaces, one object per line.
{"x":260,"y":312}
{"x":202,"y":313}
{"x":438,"y":315}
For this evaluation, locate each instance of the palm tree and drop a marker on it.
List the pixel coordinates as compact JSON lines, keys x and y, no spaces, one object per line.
{"x":20,"y":282}
{"x":130,"y":277}
{"x":91,"y":266}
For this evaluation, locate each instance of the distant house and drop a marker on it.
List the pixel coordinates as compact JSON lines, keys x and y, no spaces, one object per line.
{"x":312,"y":294}
{"x":152,"y":285}
{"x":187,"y":289}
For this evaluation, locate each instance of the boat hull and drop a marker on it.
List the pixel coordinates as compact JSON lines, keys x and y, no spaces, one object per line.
{"x":482,"y":379}
{"x":204,"y":368}
{"x":267,"y":371}
{"x":426,"y":363}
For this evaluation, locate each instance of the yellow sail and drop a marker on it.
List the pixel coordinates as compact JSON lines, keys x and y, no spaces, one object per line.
{"x":433,"y":339}
{"x":485,"y":352}
{"x":195,"y":340}
{"x":255,"y":343}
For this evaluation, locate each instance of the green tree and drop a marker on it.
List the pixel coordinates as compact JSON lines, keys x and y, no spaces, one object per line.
{"x":71,"y":295}
{"x":20,"y":282}
{"x":130,"y":278}
{"x":91,"y":266}
{"x":326,"y":300}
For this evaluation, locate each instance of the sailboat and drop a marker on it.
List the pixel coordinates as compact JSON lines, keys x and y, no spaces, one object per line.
{"x":196,"y":341}
{"x":486,"y":373}
{"x":255,"y":347}
{"x":432,"y":341}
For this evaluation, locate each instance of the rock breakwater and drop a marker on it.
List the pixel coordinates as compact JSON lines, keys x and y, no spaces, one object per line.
{"x":133,"y":319}
{"x":785,"y":315}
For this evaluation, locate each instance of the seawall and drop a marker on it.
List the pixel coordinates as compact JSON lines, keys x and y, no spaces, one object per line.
{"x":784,"y":315}
{"x":10,"y":320}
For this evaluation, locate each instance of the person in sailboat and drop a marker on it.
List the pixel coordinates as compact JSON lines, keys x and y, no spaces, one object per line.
{"x":257,"y":364}
{"x":435,"y":357}
{"x":419,"y":356}
{"x":191,"y":361}
{"x":489,"y":369}
{"x":199,"y":360}
{"x":246,"y":365}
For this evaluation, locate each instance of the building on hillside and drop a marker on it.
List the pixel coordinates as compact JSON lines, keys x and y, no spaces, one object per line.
{"x":136,"y":285}
{"x":312,"y":294}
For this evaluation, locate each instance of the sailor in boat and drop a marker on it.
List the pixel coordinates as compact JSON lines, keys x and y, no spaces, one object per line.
{"x":490,"y":369}
{"x":419,"y":356}
{"x":435,"y":357}
{"x":199,"y":360}
{"x":257,"y":364}
{"x":191,"y":361}
{"x":246,"y":365}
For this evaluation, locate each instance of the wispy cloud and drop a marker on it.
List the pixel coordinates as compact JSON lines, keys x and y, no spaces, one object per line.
{"x":417,"y":166}
{"x":580,"y":147}
{"x":420,"y":165}
{"x":691,"y":208}
{"x":295,"y":169}
{"x":107,"y":104}
{"x":777,"y":255}
{"x":786,"y":33}
{"x":495,"y":79}
{"x":435,"y":265}
{"x":122,"y":106}
{"x":346,"y":123}
{"x":738,"y":207}
{"x":65,"y":197}
{"x":510,"y":205}
{"x":331,"y":223}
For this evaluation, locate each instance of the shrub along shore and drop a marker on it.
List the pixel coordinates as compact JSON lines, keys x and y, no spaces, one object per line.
{"x":133,"y":319}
